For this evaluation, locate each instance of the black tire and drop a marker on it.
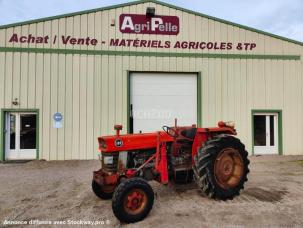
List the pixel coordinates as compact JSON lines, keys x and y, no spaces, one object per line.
{"x":121,"y":195}
{"x":206,"y":171}
{"x":97,"y":189}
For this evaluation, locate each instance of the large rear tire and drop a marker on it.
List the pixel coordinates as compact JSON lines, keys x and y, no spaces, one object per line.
{"x":221,"y":167}
{"x":132,"y":201}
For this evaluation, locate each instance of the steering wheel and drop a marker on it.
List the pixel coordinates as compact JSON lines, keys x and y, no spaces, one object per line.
{"x":169,"y":131}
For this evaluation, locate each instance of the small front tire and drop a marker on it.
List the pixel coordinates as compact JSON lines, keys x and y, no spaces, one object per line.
{"x":100,"y":192}
{"x":132,"y":200}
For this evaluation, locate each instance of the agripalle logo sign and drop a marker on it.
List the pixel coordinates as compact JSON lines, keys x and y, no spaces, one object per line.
{"x":141,"y":24}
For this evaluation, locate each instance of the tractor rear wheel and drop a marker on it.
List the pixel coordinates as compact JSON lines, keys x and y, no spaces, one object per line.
{"x":221,"y":167}
{"x":103,"y":192}
{"x":132,"y":201}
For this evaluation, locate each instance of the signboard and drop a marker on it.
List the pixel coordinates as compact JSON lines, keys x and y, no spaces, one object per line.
{"x":137,"y":24}
{"x":57,"y":117}
{"x":141,"y":24}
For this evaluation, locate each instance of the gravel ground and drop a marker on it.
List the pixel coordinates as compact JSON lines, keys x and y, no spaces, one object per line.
{"x":60,"y":191}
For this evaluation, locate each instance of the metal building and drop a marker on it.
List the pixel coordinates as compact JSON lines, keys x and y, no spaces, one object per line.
{"x":66,"y":80}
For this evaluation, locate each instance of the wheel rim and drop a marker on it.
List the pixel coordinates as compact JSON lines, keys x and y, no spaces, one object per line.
{"x":135,"y":201}
{"x":228,"y":168}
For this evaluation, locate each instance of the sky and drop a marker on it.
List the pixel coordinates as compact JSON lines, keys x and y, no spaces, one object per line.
{"x":281,"y":17}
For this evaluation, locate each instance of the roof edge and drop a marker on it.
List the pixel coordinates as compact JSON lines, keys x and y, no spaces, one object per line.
{"x":157,"y":2}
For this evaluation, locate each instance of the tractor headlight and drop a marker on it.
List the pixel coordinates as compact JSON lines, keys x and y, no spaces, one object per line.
{"x":108,"y":160}
{"x":100,"y":156}
{"x":230,"y":124}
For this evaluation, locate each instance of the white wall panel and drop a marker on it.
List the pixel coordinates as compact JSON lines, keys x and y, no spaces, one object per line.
{"x":61,"y":101}
{"x":24,"y":80}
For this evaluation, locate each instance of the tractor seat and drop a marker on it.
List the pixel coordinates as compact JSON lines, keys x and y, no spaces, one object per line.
{"x":189,"y":133}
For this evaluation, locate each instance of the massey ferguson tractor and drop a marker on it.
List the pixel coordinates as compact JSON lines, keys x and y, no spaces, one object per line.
{"x":212,"y":157}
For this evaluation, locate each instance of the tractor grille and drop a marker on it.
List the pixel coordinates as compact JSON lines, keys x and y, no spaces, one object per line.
{"x":110,"y":162}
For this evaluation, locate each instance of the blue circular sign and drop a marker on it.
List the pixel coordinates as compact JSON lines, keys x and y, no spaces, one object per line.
{"x":57,"y":117}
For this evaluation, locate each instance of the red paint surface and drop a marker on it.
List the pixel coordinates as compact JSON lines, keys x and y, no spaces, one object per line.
{"x":133,"y":141}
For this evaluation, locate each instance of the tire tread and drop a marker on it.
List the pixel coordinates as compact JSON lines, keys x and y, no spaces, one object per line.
{"x":203,"y":166}
{"x":121,"y":190}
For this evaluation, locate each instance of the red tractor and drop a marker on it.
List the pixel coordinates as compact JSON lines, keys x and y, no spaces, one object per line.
{"x":213,"y":157}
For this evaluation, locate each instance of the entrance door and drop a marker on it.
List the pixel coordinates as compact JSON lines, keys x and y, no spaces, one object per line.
{"x":265,"y":133}
{"x":156,"y":99}
{"x":20,"y":136}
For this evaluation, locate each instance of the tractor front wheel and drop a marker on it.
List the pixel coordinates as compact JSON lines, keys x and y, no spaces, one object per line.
{"x":103,"y":192}
{"x":132,"y":200}
{"x":221,"y":167}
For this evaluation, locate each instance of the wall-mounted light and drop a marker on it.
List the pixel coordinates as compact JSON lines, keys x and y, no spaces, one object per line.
{"x":15,"y":101}
{"x":150,"y":11}
{"x":113,"y":22}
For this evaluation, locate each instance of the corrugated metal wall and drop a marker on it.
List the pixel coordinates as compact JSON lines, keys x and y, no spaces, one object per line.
{"x":91,"y":90}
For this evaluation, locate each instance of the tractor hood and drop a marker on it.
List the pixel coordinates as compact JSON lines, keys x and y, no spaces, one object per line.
{"x":132,"y":141}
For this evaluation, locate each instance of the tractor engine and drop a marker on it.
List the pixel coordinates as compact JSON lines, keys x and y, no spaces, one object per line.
{"x":118,"y":162}
{"x":137,"y":158}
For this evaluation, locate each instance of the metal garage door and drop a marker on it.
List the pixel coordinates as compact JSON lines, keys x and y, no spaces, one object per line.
{"x":156,"y":99}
